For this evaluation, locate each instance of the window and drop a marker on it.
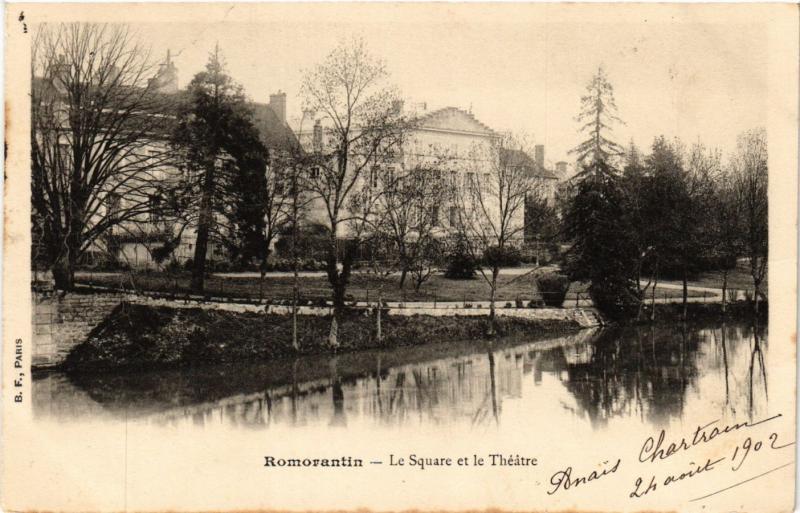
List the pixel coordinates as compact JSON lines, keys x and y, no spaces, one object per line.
{"x":314,"y":172}
{"x":154,"y":208}
{"x":453,"y":216}
{"x":435,"y":215}
{"x":112,"y":204}
{"x":470,"y":177}
{"x":280,"y":185}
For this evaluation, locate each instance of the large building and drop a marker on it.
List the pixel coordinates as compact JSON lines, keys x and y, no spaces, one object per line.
{"x":448,"y":139}
{"x":454,"y":142}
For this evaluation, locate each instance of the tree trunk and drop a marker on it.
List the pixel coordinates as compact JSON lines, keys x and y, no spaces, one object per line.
{"x":378,"y":333}
{"x":724,"y":290}
{"x":203,"y":230}
{"x":685,"y":296}
{"x":337,"y":293}
{"x":333,"y":336}
{"x":403,"y":273}
{"x":653,"y":296}
{"x":495,"y":272}
{"x":63,"y":274}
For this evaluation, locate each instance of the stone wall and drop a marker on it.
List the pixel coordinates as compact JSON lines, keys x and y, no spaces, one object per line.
{"x":60,"y":322}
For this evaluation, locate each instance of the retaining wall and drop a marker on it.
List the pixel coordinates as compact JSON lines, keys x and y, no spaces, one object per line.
{"x":63,"y":321}
{"x":60,"y":322}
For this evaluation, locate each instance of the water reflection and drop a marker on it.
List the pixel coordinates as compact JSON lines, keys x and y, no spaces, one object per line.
{"x":651,"y":374}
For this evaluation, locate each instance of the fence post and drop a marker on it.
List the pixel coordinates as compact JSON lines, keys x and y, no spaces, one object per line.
{"x":434,"y":300}
{"x":577,"y":299}
{"x":368,"y":298}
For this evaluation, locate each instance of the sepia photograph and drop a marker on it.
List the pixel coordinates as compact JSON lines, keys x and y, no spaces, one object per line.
{"x":521,"y":248}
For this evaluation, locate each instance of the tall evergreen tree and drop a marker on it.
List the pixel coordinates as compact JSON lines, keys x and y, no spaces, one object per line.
{"x":598,"y":112}
{"x":225,"y":163}
{"x":595,"y":220}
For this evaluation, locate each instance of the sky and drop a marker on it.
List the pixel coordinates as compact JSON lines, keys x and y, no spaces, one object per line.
{"x":518,"y":70}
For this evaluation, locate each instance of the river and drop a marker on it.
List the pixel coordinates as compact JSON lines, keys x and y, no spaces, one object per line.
{"x":653,"y":375}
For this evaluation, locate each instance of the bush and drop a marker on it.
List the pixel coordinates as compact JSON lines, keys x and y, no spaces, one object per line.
{"x":507,"y":256}
{"x":553,"y":288}
{"x":460,"y":264}
{"x":173,"y":266}
{"x":219,"y":266}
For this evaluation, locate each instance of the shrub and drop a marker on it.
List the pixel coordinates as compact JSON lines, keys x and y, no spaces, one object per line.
{"x":173,"y":266}
{"x":519,"y":303}
{"x":219,"y":266}
{"x":553,"y":288}
{"x":508,"y":305}
{"x":507,"y":256}
{"x":460,"y":264}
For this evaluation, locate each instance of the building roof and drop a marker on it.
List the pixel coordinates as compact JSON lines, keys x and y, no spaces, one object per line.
{"x":522,"y":159}
{"x":469,"y":122}
{"x":274,"y":134}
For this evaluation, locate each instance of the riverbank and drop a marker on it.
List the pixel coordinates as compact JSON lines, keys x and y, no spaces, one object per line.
{"x":671,"y":313}
{"x":138,"y":336}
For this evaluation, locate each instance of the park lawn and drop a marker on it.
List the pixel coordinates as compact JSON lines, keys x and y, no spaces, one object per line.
{"x":738,"y":278}
{"x":363,"y":287}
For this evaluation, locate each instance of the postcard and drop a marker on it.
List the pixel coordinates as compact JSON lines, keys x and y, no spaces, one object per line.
{"x":400,"y":256}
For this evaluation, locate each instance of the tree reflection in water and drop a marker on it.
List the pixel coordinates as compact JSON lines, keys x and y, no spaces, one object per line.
{"x":646,"y":373}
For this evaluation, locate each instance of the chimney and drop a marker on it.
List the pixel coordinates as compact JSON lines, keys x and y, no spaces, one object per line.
{"x":277,"y":102}
{"x":538,"y":155}
{"x":317,"y":136}
{"x":561,"y":168}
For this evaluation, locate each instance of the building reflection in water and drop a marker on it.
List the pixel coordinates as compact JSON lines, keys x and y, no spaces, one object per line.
{"x":646,"y":373}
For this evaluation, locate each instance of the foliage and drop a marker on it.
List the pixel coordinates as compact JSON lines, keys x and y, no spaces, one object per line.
{"x":311,"y":241}
{"x":600,"y":253}
{"x":461,"y":265}
{"x":749,"y":169}
{"x":553,"y":288}
{"x":225,"y":168}
{"x":496,"y":256}
{"x":598,"y":111}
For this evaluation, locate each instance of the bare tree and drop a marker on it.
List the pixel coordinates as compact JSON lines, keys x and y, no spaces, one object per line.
{"x":750,"y":171}
{"x":362,"y":131}
{"x":98,"y":151}
{"x":408,"y":214}
{"x":490,"y":204}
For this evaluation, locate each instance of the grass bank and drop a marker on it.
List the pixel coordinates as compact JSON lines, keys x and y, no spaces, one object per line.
{"x":146,"y":337}
{"x":672,"y":313}
{"x":362,"y":287}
